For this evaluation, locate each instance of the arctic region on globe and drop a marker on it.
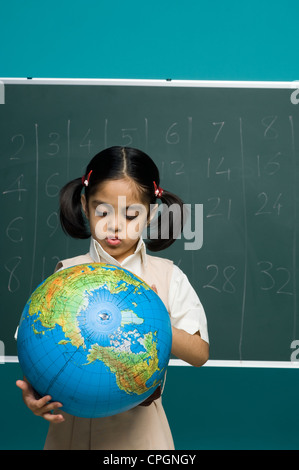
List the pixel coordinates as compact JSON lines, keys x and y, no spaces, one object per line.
{"x":96,"y":338}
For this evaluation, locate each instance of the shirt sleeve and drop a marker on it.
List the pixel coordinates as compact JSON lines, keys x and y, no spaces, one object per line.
{"x":186,"y":310}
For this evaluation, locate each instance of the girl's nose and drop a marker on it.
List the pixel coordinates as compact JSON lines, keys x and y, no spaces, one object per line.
{"x":115,"y":223}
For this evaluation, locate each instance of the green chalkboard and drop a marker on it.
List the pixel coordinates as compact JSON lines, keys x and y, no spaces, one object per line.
{"x":233,"y":149}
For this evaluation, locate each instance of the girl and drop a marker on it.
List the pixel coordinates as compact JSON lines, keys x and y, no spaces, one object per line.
{"x":117,"y":192}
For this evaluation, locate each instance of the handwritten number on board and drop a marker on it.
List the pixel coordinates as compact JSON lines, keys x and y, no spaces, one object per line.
{"x":228,"y":273}
{"x":265,"y":204}
{"x":19,"y":189}
{"x":20,"y":142}
{"x":270,"y":132}
{"x":13,"y":281}
{"x":269,"y":276}
{"x":54,"y":137}
{"x":14,"y":233}
{"x":172,"y":136}
{"x":220,"y":124}
{"x":86,"y":142}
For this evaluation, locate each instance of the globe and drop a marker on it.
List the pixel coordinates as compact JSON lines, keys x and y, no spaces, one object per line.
{"x":96,"y":338}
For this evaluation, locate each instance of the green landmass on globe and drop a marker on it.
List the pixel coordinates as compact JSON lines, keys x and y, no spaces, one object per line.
{"x":122,"y":364}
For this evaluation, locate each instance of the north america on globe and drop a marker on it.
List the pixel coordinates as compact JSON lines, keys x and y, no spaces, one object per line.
{"x":95,"y":337}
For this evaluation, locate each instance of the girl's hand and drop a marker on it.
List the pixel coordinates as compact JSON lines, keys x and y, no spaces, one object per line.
{"x":40,"y":407}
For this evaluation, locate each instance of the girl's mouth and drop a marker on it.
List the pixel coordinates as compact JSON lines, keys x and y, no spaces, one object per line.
{"x":113,"y":241}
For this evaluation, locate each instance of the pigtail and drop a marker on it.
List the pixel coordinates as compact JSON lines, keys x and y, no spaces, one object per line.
{"x":169,"y":224}
{"x":71,"y":216}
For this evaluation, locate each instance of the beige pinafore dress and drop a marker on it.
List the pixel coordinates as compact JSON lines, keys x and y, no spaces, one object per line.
{"x":141,"y":428}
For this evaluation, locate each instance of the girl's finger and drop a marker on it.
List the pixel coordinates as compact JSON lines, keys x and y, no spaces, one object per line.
{"x":41,"y":402}
{"x":52,"y":418}
{"x":51,"y":407}
{"x":22,"y":385}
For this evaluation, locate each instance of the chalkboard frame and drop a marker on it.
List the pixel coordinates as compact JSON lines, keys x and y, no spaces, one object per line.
{"x":167,"y":83}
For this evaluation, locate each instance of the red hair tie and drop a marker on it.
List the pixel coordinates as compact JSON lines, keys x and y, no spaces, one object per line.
{"x":85,"y":181}
{"x":158,"y":190}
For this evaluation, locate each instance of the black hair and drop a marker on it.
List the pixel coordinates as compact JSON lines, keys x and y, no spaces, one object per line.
{"x":117,"y":163}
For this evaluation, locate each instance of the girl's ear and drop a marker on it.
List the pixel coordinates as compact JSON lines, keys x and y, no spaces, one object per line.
{"x":84,"y":205}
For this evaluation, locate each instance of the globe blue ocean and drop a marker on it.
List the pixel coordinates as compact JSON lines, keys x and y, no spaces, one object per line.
{"x":96,"y":338}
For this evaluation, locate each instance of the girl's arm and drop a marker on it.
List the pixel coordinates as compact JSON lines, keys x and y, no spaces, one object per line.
{"x":189,"y":348}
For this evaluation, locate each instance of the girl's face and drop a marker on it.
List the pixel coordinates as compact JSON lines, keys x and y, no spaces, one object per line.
{"x":116,"y":217}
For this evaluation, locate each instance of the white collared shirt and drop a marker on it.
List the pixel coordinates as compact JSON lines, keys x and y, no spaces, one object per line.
{"x":186,"y":310}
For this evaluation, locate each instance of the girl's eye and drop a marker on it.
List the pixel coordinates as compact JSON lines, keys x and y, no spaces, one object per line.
{"x":131,"y":216}
{"x":101,"y":212}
